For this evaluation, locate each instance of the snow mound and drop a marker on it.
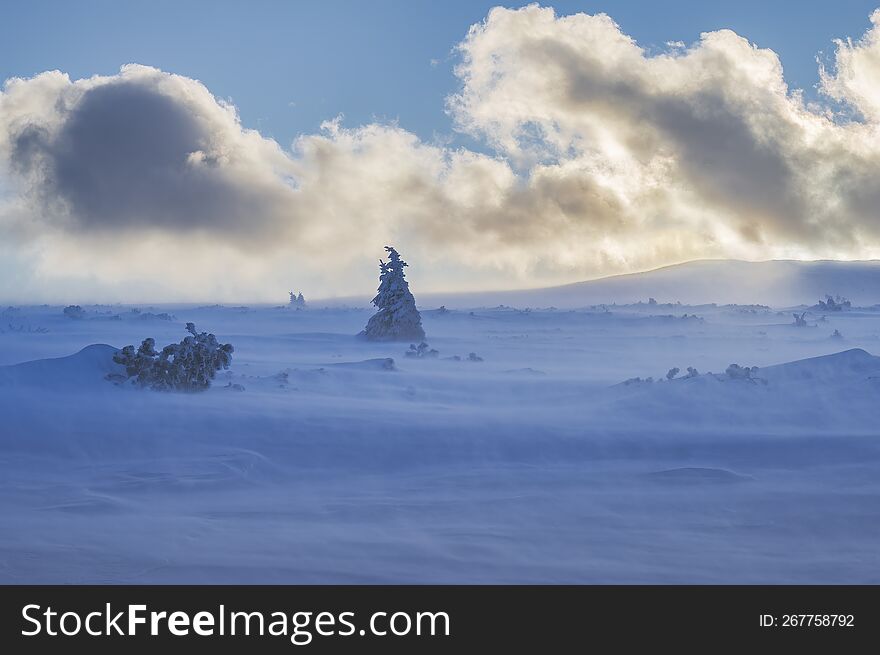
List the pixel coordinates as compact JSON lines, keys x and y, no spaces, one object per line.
{"x":830,"y":392}
{"x":84,"y":370}
{"x":853,"y":363}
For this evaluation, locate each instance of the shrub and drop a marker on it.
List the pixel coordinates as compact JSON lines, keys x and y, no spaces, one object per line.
{"x":186,"y":366}
{"x":422,"y":351}
{"x":833,"y":304}
{"x":737,"y":372}
{"x":74,"y":311}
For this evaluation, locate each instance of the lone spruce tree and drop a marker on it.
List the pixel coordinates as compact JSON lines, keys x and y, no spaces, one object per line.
{"x":397,"y":318}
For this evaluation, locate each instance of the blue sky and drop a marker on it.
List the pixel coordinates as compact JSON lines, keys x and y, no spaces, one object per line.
{"x":290,"y":65}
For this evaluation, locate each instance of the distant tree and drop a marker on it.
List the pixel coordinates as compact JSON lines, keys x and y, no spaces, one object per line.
{"x":422,"y":351}
{"x":671,"y":373}
{"x":691,"y":372}
{"x":186,"y":366}
{"x":74,"y":311}
{"x":297,"y":300}
{"x":800,"y":320}
{"x":833,"y":304}
{"x":737,"y":372}
{"x":397,"y":318}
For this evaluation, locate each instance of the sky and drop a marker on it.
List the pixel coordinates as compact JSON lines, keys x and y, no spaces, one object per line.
{"x":149,"y":149}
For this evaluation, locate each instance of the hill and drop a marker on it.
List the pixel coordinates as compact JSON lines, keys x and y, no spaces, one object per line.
{"x":778,"y":283}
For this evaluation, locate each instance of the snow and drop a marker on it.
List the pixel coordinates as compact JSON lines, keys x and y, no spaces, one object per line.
{"x":337,"y":464}
{"x":84,"y":371}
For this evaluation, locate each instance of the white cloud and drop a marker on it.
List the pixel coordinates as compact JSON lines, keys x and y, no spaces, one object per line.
{"x":857,"y":76}
{"x":606,"y":159}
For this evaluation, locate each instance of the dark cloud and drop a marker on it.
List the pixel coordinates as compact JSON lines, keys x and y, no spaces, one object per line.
{"x":129,"y":156}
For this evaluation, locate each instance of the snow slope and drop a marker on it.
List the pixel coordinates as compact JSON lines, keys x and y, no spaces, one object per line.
{"x":536,"y":464}
{"x":82,"y":372}
{"x":779,"y":283}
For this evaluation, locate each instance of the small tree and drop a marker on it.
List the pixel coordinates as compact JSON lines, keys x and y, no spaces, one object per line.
{"x":800,"y":320}
{"x":397,"y":318}
{"x":671,"y":373}
{"x":297,"y":300}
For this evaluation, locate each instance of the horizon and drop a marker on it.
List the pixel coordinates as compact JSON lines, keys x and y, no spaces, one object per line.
{"x":434,"y":295}
{"x":161,"y":179}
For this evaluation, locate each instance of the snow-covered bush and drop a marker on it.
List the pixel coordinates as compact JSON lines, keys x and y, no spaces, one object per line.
{"x":422,"y":351}
{"x":397,"y":318}
{"x":833,"y":304}
{"x":836,"y":335}
{"x":74,"y":311}
{"x":671,"y":373}
{"x":691,"y":372}
{"x":800,"y":320}
{"x":186,"y":366}
{"x":474,"y":357}
{"x":737,"y":372}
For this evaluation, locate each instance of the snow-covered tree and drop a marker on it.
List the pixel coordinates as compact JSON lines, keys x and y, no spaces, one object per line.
{"x":186,"y":366}
{"x":800,"y":320}
{"x":737,"y":372}
{"x":297,"y":301}
{"x":74,"y":311}
{"x":397,"y":318}
{"x":671,"y":373}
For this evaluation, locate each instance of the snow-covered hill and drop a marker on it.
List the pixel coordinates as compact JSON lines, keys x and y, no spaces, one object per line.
{"x":779,"y":283}
{"x":80,"y":372}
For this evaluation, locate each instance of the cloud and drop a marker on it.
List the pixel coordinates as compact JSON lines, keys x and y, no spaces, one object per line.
{"x":738,"y":155}
{"x":142,"y":150}
{"x":856,"y":80}
{"x":601,"y":159}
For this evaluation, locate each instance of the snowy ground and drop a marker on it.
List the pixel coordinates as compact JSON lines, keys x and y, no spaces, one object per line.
{"x":533,"y":465}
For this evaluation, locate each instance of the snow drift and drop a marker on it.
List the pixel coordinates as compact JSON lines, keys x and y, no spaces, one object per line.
{"x":84,"y":371}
